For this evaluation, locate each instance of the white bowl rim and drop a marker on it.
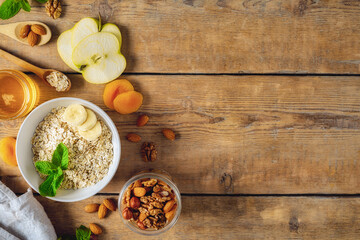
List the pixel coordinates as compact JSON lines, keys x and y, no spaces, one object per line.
{"x":115,"y":138}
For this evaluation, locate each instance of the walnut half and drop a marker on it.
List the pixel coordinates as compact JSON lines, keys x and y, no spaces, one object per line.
{"x":148,"y":152}
{"x":53,"y":8}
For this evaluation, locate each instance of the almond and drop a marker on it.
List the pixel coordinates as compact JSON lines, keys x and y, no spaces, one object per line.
{"x":110,"y":204}
{"x":168,"y":206}
{"x":142,"y":217}
{"x":95,"y":229}
{"x":139,"y":191}
{"x":38,"y":29}
{"x":133,"y":137}
{"x":93,"y":207}
{"x":169,"y":134}
{"x":24,"y":31}
{"x":102,"y":211}
{"x":171,"y":214}
{"x":33,"y":38}
{"x":142,"y":120}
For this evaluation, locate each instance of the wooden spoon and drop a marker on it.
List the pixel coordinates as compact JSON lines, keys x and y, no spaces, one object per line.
{"x":40,"y":72}
{"x":13,"y":30}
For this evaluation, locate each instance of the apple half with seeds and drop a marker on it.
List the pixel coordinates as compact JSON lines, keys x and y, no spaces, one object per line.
{"x":98,"y":57}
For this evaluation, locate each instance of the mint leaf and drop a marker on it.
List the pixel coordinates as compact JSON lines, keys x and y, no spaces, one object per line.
{"x":61,"y":156}
{"x":9,"y":8}
{"x":45,"y":167}
{"x":58,"y":179}
{"x":46,"y":188}
{"x":83,"y":233}
{"x":51,"y":184}
{"x":25,"y":5}
{"x":53,"y":169}
{"x":42,"y":1}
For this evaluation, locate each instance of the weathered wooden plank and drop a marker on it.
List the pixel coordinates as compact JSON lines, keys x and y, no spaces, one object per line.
{"x":229,"y":218}
{"x":209,"y":36}
{"x":249,"y":134}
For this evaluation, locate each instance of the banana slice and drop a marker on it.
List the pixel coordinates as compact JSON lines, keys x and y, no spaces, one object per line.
{"x":90,"y":121}
{"x":75,"y":114}
{"x":93,"y":133}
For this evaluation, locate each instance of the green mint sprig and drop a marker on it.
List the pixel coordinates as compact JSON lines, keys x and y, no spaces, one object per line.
{"x":10,"y":8}
{"x":83,"y":233}
{"x":54,"y":170}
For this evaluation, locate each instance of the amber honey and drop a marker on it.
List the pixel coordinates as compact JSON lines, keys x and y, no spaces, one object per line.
{"x":18,"y":94}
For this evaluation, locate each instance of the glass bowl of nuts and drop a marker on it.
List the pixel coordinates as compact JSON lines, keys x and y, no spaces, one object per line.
{"x":150,"y":202}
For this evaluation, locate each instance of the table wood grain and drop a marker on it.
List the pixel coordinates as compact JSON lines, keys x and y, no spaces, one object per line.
{"x":264,"y":99}
{"x":215,"y":36}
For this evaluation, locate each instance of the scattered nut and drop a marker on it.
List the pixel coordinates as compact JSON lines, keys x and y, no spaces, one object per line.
{"x":156,"y":188}
{"x":169,"y":134}
{"x":93,"y":207}
{"x":133,"y":137}
{"x":137,"y":184}
{"x":141,"y":225}
{"x":171,"y":214}
{"x":38,"y":29}
{"x":127,"y":214}
{"x":95,"y":229}
{"x":102,"y":211}
{"x":142,"y":216}
{"x":109,"y":204}
{"x":150,"y":182}
{"x":134,"y":203}
{"x":148,"y":152}
{"x":139,"y":191}
{"x":164,"y":193}
{"x":24,"y":31}
{"x":142,"y":120}
{"x":168,"y":206}
{"x":53,"y":8}
{"x":32,"y":38}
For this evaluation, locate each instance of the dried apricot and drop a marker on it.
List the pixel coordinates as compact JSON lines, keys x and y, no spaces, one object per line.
{"x":128,"y":102}
{"x":7,"y":150}
{"x":113,"y":89}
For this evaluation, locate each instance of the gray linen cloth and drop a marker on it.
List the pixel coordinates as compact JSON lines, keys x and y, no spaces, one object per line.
{"x":23,"y":217}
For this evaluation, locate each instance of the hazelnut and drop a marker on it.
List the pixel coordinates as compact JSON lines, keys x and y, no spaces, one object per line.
{"x":127,"y":214}
{"x":134,"y":203}
{"x":141,"y":225}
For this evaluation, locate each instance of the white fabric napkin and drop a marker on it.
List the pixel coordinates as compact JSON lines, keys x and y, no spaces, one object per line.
{"x":23,"y":217}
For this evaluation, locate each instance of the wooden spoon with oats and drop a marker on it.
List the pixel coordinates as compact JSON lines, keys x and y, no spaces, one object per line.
{"x":51,"y":77}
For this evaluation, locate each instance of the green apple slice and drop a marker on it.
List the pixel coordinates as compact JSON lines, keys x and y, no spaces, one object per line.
{"x":112,"y":28}
{"x":82,"y":29}
{"x":65,"y":50}
{"x":99,"y":58}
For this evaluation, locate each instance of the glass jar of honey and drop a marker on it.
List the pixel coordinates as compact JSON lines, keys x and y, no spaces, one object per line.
{"x":18,"y":94}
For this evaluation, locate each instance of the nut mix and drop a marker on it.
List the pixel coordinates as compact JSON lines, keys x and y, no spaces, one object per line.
{"x":149,"y":203}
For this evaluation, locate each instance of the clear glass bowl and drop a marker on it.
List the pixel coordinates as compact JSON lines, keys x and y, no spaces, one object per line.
{"x":157,"y":174}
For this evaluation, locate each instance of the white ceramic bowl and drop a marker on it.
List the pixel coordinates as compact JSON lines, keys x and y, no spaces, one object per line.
{"x":24,"y":152}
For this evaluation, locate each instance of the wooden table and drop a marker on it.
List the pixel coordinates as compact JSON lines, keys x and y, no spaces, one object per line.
{"x":265,"y":99}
